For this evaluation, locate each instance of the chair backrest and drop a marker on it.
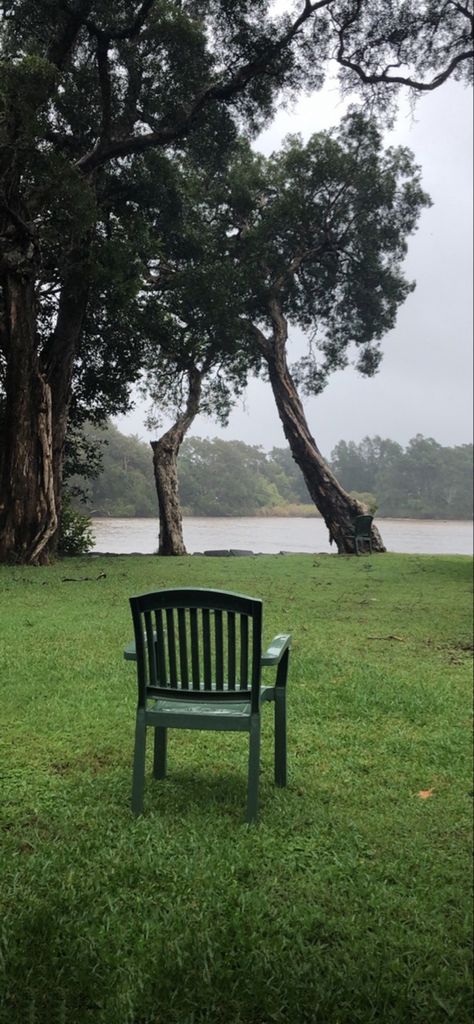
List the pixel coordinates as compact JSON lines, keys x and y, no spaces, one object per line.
{"x":198,"y":644}
{"x":362,"y":526}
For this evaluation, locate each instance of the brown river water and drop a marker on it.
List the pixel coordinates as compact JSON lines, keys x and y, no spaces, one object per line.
{"x":270,"y":536}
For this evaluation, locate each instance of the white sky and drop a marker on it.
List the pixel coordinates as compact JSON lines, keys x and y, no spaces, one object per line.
{"x":424,"y":384}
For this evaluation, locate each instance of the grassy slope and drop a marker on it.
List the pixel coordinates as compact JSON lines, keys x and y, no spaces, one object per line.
{"x":349,"y":903}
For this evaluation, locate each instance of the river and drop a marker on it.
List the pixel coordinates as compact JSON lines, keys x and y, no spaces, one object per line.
{"x":272,"y":535}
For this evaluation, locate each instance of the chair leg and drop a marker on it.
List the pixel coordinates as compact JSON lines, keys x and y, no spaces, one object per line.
{"x":280,"y":737}
{"x":254,"y":769}
{"x":138,"y":781}
{"x":159,"y":753}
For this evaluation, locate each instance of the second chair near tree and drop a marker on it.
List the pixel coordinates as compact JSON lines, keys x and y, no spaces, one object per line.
{"x":199,"y":659}
{"x":362,"y":533}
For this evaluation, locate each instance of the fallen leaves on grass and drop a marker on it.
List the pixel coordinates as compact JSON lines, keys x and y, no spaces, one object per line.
{"x":424,"y":794}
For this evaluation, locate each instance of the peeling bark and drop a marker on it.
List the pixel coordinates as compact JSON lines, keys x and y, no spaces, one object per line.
{"x":38,"y":391}
{"x":165,"y":466}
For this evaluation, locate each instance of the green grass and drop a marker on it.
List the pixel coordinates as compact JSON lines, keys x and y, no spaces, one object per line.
{"x":348,"y":904}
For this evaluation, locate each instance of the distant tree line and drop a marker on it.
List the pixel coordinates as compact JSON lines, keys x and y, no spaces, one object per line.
{"x":230,"y":478}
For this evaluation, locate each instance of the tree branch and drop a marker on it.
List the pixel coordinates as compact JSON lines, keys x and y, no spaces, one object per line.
{"x":263,"y":343}
{"x":382,"y":77}
{"x":130,"y":32}
{"x":219,"y":90}
{"x":62,"y":43}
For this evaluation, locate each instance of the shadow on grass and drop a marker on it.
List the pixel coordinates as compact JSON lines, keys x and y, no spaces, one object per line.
{"x":185,"y":793}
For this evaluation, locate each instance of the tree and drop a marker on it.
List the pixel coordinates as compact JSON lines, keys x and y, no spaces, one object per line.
{"x":231,"y":478}
{"x":87,"y":89}
{"x":358,"y":466}
{"x":423,"y":480}
{"x":321,"y":242}
{"x":287,"y":476}
{"x":225,"y":478}
{"x":90,"y":86}
{"x":196,"y":357}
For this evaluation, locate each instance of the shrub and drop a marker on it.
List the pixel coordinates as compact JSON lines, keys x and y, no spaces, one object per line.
{"x":75,"y":532}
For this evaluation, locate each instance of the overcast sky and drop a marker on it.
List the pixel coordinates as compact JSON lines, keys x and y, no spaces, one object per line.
{"x":424,"y":384}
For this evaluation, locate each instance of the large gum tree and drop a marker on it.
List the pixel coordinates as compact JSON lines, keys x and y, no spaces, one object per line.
{"x":90,"y":86}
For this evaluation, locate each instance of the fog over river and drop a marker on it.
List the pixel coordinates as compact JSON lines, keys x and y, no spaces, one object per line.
{"x":272,"y":535}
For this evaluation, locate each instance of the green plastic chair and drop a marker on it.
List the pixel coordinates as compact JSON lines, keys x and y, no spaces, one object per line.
{"x":362,"y":532}
{"x":199,"y":660}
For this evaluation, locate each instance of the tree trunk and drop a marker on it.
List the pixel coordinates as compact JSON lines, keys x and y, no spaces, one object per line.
{"x":165,"y":465}
{"x":38,"y":392}
{"x":28,"y":514}
{"x":58,"y":359}
{"x":336,"y":506}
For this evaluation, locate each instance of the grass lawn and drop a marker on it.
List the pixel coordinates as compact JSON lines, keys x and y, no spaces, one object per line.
{"x":349,"y":902}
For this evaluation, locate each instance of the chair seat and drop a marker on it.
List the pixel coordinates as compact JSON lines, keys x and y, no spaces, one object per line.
{"x":171,"y":706}
{"x":229,"y":708}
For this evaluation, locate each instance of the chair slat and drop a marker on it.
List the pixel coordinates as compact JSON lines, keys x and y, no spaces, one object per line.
{"x":160,"y":648}
{"x":244,"y":652}
{"x":193,"y":623}
{"x":219,"y":650}
{"x":231,"y":640}
{"x":206,"y":643}
{"x":170,"y":627}
{"x":183,"y":649}
{"x":150,"y":643}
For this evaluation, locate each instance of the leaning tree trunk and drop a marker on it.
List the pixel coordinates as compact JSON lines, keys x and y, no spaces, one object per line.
{"x":165,"y":466}
{"x":336,"y":506}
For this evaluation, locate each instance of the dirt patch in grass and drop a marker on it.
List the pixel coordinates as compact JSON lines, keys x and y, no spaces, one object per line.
{"x":94,"y":762}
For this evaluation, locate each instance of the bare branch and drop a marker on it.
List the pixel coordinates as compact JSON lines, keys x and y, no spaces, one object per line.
{"x":462,"y":10}
{"x":383,"y":77}
{"x":379,"y":78}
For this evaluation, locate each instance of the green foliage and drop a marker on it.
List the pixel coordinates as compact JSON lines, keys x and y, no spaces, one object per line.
{"x":322,"y":229}
{"x":221,"y":478}
{"x":75,"y":531}
{"x":352,"y":898}
{"x":369,"y":500}
{"x":126,"y":485}
{"x":232,"y":478}
{"x":287,"y":475}
{"x":424,"y":480}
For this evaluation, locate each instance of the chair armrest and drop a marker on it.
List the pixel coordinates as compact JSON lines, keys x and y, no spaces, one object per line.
{"x":276,"y":650}
{"x":130,"y":652}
